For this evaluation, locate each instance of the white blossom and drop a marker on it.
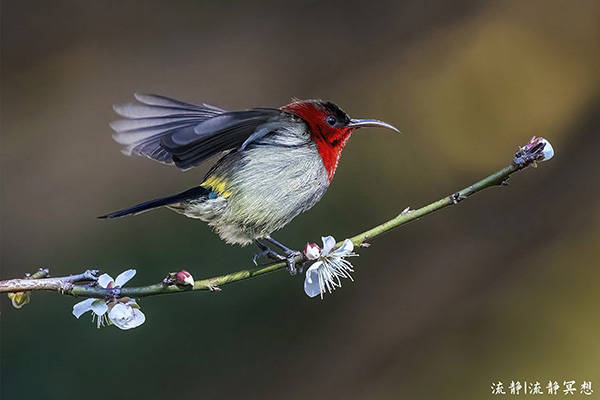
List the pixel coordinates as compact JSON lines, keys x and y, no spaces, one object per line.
{"x":126,"y":315}
{"x":98,"y":307}
{"x":123,"y":313}
{"x":325,"y":274}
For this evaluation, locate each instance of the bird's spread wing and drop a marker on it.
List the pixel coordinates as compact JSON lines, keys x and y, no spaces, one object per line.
{"x":174,"y":132}
{"x":229,"y":130}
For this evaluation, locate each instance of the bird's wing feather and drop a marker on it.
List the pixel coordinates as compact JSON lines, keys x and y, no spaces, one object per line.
{"x":173,"y":132}
{"x":191,"y":146}
{"x":153,"y":118}
{"x":162,"y":101}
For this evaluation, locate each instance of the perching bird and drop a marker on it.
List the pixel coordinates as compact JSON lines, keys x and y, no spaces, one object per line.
{"x":277,"y":163}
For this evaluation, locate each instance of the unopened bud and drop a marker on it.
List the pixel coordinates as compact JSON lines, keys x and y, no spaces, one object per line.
{"x":312,"y":251}
{"x":184,"y":278}
{"x":19,"y":299}
{"x":546,"y":147}
{"x":538,"y":149}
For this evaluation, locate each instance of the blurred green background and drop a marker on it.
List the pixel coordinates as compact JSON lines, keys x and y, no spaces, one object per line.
{"x":503,"y":286}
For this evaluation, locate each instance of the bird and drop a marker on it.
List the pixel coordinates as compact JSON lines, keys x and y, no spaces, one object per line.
{"x":274,"y":164}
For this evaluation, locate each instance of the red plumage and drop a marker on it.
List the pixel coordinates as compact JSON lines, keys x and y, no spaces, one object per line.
{"x":330,"y":139}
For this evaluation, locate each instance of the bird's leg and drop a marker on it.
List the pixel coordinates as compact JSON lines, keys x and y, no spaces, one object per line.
{"x":290,"y":255}
{"x":280,"y":245}
{"x":265,"y":251}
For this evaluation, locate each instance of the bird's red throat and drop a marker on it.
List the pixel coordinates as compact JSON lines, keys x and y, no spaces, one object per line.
{"x":330,"y":152}
{"x":330,"y":141}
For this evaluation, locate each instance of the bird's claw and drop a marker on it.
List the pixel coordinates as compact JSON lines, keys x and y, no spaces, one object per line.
{"x":290,"y":257}
{"x":290,"y":261}
{"x":267,"y":253}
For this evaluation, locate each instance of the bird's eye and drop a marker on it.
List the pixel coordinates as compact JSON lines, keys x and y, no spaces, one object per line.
{"x":331,"y":120}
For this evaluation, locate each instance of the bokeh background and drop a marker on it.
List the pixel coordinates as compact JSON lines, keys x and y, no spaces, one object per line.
{"x":503,"y":287}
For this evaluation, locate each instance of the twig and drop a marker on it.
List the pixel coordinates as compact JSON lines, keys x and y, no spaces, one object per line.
{"x":37,"y":281}
{"x":528,"y":155}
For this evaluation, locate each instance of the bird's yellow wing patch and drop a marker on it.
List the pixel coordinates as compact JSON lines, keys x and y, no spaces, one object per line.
{"x":218,"y":185}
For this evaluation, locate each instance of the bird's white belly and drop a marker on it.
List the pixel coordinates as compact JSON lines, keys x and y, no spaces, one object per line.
{"x":265,"y":192}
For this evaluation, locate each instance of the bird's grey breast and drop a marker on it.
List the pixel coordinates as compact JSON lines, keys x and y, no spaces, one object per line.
{"x":271,"y":181}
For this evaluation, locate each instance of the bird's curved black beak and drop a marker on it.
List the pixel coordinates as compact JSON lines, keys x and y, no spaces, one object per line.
{"x":361,"y":123}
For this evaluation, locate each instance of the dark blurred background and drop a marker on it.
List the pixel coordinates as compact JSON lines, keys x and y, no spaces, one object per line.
{"x":503,"y":286}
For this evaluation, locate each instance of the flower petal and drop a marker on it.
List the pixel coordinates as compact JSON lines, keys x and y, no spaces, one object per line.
{"x":314,"y":268}
{"x":138,"y":318}
{"x":547,"y":151}
{"x":328,"y":244}
{"x":125,"y":277}
{"x":104,"y":280}
{"x":311,"y":281}
{"x":82,"y":307}
{"x":125,"y":317}
{"x":132,"y":303}
{"x":345,"y":249}
{"x":99,"y":307}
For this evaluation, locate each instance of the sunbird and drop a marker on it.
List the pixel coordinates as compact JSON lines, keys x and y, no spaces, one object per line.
{"x":275,"y":162}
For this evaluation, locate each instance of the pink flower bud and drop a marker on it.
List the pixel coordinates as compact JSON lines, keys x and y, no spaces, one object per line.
{"x":312,"y":251}
{"x":539,"y":148}
{"x":184,"y":278}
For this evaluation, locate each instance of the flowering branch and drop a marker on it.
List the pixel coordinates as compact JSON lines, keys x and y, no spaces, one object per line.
{"x":538,"y":149}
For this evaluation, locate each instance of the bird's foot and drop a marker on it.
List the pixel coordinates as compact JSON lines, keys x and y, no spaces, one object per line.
{"x":267,"y":252}
{"x":290,"y":256}
{"x":290,"y":261}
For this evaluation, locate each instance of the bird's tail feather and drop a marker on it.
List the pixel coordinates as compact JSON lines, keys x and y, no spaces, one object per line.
{"x":193,"y":193}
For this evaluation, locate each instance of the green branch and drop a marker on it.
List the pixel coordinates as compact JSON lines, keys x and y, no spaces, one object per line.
{"x":537,"y":149}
